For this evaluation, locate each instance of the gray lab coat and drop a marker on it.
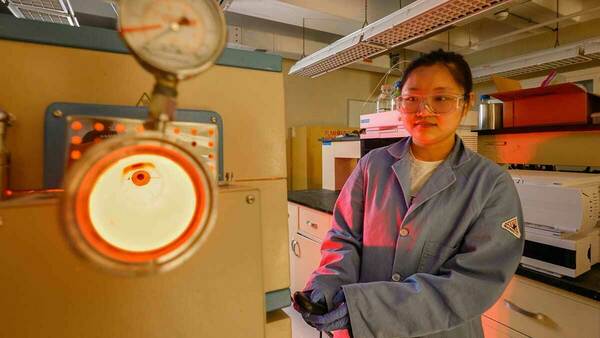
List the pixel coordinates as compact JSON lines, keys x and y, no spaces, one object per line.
{"x":455,"y":261}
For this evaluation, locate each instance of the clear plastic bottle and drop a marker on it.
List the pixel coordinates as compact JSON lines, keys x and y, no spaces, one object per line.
{"x":385,"y":100}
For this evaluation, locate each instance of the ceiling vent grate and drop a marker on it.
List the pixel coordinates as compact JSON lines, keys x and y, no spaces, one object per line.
{"x":412,"y":23}
{"x":49,"y":5}
{"x":54,"y":11}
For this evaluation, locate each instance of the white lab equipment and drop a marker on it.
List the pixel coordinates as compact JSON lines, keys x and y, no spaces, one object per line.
{"x":561,"y":212}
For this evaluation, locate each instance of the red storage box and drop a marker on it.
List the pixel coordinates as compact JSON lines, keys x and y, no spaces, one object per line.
{"x":553,"y":105}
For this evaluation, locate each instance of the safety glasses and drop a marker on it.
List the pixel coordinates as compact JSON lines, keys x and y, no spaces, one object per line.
{"x":436,"y":103}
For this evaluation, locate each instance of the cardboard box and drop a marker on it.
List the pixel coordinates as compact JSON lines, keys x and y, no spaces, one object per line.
{"x":553,"y":105}
{"x":306,"y":156}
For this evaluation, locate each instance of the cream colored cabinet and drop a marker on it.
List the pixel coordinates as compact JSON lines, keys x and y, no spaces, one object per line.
{"x":48,"y":290}
{"x":539,"y":310}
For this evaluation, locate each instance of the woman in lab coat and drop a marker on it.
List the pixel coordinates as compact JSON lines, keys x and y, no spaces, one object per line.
{"x":426,"y":234}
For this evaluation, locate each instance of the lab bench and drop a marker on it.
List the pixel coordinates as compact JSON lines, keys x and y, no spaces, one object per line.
{"x":533,"y":304}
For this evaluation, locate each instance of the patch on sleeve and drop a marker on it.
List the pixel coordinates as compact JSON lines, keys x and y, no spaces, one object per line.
{"x":512,"y":226}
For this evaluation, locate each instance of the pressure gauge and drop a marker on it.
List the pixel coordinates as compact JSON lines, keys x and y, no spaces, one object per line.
{"x":178,"y":37}
{"x":143,"y":203}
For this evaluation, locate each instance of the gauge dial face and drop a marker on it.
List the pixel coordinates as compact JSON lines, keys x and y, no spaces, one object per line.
{"x":142,"y":203}
{"x":181,"y":37}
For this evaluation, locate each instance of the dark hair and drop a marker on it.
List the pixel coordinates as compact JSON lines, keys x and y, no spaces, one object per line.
{"x":456,"y":64}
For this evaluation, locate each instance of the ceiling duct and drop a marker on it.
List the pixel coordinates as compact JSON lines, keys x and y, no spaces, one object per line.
{"x":567,"y":55}
{"x":412,"y":23}
{"x":55,"y":11}
{"x":224,"y":4}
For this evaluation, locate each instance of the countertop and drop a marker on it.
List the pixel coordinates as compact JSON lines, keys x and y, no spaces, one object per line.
{"x":340,"y":139}
{"x":587,"y":285}
{"x":319,"y":199}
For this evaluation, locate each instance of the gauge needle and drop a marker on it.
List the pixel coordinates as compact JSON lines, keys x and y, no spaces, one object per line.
{"x":125,"y":30}
{"x":174,"y":26}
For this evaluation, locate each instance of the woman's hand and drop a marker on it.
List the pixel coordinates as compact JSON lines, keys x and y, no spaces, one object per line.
{"x":336,"y":319}
{"x":309,"y":302}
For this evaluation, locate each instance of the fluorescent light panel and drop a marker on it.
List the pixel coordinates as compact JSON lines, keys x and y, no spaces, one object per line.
{"x":342,"y":52}
{"x":409,"y":24}
{"x":422,"y":18}
{"x":571,"y":54}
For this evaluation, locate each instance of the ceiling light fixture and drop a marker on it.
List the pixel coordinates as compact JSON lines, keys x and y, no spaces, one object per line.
{"x":567,"y":55}
{"x":410,"y":24}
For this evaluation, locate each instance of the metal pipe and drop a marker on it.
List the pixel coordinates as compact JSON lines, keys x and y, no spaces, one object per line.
{"x":162,"y":103}
{"x":540,"y":25}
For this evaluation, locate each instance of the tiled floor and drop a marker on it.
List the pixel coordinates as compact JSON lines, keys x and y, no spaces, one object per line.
{"x":299,"y":328}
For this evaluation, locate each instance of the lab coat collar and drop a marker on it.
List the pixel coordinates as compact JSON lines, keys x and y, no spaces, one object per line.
{"x":401,"y":169}
{"x":457,"y":157}
{"x":441,"y":179}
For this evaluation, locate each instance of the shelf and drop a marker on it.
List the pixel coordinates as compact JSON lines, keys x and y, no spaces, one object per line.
{"x":539,"y":129}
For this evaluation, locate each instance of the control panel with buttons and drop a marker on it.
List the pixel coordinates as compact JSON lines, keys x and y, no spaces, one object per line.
{"x":72,"y":128}
{"x":85,"y":131}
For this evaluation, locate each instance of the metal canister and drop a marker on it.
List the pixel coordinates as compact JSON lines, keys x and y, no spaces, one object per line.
{"x":490,"y":114}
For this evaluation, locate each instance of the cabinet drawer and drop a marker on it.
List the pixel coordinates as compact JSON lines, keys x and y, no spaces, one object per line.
{"x":538,"y":310}
{"x":314,"y":223}
{"x":493,"y":329}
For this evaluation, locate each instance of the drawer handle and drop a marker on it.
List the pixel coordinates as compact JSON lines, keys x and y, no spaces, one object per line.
{"x":540,"y":317}
{"x":312,"y":225}
{"x":295,"y":245}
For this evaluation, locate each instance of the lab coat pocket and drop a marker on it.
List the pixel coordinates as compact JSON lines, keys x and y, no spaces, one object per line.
{"x":434,"y":255}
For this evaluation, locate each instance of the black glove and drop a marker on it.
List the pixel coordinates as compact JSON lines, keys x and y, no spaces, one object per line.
{"x":309,"y":302}
{"x":336,"y":319}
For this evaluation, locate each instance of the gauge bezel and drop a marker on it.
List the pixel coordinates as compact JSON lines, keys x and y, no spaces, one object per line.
{"x":152,"y":66}
{"x":79,"y":229}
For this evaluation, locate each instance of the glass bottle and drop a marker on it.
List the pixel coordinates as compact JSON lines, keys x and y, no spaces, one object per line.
{"x":385,"y":99}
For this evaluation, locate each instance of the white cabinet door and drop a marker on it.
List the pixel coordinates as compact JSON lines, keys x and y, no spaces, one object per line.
{"x":305,"y":258}
{"x":292,"y":219}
